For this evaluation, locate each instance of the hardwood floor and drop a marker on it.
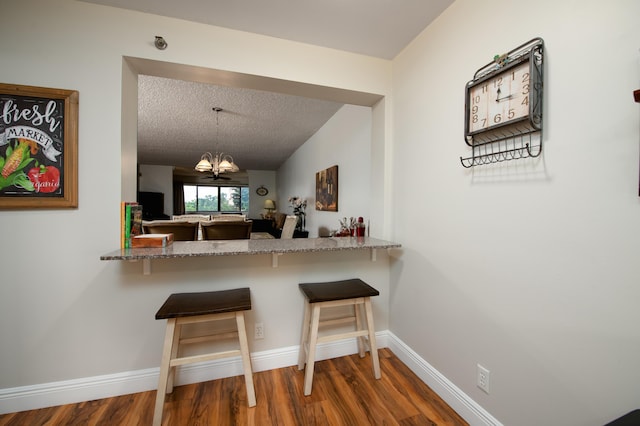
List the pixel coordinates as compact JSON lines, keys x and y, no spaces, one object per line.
{"x":344,"y":393}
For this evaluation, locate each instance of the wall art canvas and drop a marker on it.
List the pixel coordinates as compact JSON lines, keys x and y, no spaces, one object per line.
{"x":327,"y":189}
{"x":38,"y":147}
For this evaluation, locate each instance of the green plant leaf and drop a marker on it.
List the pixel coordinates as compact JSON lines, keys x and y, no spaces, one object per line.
{"x":21,"y":180}
{"x":4,"y":182}
{"x":24,"y":163}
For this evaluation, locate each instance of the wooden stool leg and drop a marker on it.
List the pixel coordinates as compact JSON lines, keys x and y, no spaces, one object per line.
{"x":373,"y":347}
{"x":246,"y":359}
{"x":175,"y":347}
{"x":305,"y":335}
{"x":357,"y":311}
{"x":164,"y":371}
{"x":311,"y":355}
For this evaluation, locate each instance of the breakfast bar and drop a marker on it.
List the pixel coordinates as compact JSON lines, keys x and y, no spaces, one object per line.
{"x":273,"y":247}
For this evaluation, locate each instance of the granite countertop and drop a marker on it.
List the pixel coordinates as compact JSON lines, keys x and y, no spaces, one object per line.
{"x":239,"y":247}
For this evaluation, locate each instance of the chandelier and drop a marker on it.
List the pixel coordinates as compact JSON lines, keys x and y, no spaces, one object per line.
{"x":219,"y":162}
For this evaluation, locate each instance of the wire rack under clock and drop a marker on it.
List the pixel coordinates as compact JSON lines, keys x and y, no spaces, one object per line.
{"x":513,"y":147}
{"x":518,"y":140}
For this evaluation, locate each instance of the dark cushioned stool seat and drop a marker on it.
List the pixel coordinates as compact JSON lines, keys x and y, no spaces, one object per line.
{"x":189,"y":308}
{"x":337,"y":290}
{"x":629,"y":419}
{"x":211,"y":302}
{"x":353,"y":292}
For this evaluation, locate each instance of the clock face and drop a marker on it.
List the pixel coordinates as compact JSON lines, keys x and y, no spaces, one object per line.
{"x":499,"y":100}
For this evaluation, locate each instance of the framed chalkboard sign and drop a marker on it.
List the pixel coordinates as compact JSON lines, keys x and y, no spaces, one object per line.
{"x":38,"y":147}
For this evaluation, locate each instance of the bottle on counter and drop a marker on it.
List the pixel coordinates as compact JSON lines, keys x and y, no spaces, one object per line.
{"x":360,"y":230}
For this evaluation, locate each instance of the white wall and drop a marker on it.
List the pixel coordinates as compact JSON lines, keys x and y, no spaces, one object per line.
{"x":58,"y":301}
{"x":345,"y":141}
{"x":258,"y":178}
{"x":529,"y":268}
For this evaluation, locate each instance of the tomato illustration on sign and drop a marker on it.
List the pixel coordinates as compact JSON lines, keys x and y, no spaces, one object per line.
{"x":45,"y":178}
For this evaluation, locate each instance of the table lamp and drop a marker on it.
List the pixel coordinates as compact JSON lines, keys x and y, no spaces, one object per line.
{"x":269,"y":206}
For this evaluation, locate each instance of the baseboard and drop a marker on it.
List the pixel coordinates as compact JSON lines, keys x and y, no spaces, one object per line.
{"x":77,"y":390}
{"x":90,"y":388}
{"x":461,"y":403}
{"x":86,"y":389}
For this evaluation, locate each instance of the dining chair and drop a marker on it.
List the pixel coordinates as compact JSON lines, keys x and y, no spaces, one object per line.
{"x":191,"y":217}
{"x":278,"y":221}
{"x":229,"y":217}
{"x":182,"y":231}
{"x":289,"y":227}
{"x":226,"y":230}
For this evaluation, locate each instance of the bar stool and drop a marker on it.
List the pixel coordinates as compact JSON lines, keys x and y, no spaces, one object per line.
{"x":352,"y":292}
{"x":189,"y":308}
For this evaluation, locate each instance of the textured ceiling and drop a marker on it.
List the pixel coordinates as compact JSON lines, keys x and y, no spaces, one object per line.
{"x":259,"y":129}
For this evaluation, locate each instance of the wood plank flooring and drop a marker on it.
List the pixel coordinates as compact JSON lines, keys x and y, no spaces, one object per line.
{"x":344,"y":393}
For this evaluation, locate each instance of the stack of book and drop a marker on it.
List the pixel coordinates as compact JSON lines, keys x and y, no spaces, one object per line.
{"x":130,"y":222}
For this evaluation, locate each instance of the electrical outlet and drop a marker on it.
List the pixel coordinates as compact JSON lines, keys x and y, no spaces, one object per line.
{"x":259,"y":331}
{"x":483,"y":378}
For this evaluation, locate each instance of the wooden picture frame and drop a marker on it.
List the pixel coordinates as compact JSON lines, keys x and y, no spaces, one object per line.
{"x":38,"y":147}
{"x":327,"y":189}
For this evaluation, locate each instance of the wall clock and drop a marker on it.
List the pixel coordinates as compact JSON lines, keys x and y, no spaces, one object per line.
{"x":504,"y":101}
{"x":262,"y":191}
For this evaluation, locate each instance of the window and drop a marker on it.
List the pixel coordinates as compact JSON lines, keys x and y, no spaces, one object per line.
{"x":207,"y":199}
